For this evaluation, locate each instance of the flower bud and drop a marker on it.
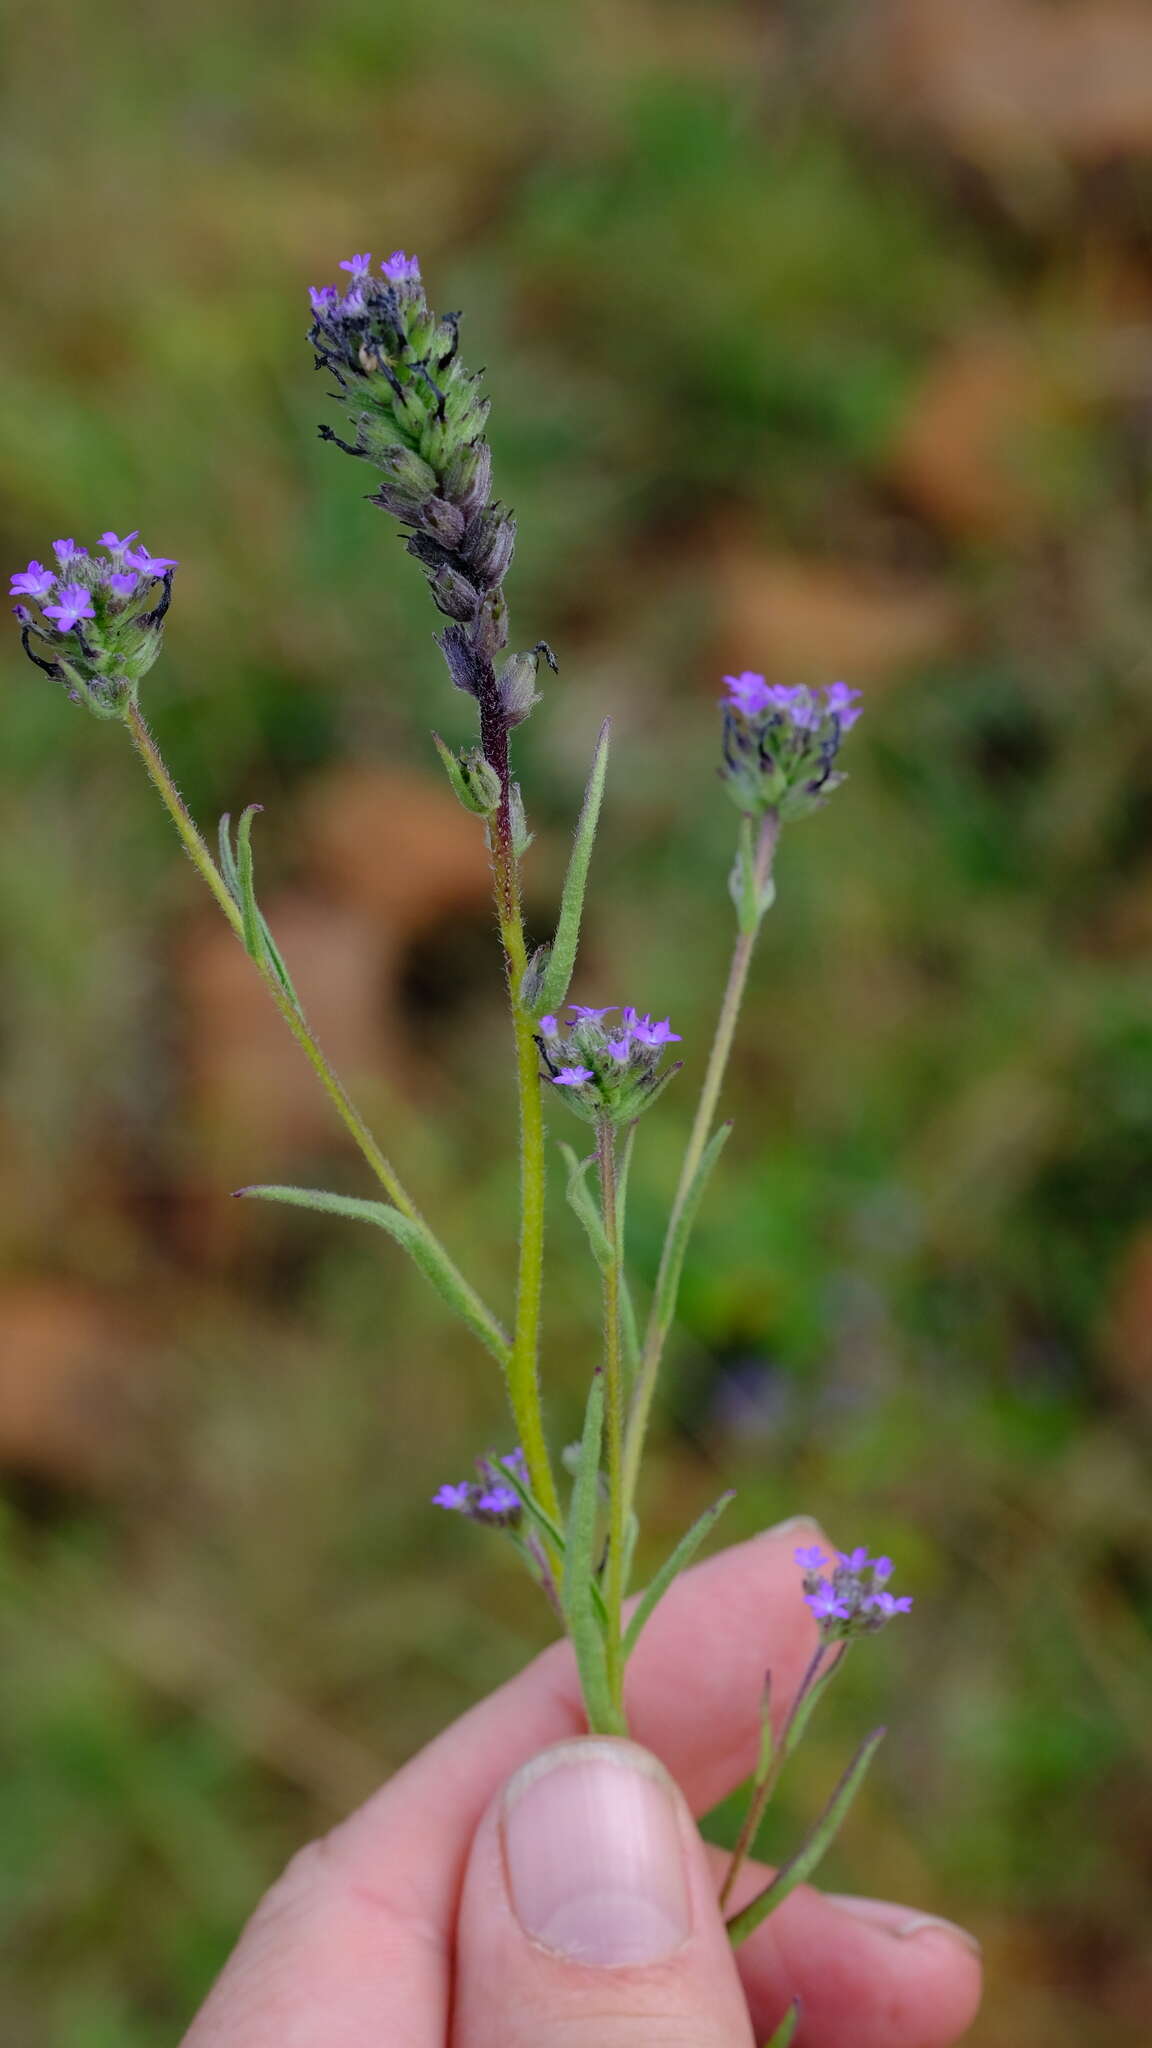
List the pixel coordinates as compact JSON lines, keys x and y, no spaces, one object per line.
{"x":473,"y":779}
{"x":467,"y":477}
{"x":453,"y":593}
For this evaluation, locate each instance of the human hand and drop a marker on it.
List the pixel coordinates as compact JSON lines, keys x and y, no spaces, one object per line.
{"x":519,"y":1885}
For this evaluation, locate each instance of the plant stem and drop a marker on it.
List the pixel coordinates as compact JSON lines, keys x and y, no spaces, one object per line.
{"x":524,"y":1364}
{"x":197,"y":851}
{"x":613,"y":1412}
{"x":656,"y":1334}
{"x":763,"y":1793}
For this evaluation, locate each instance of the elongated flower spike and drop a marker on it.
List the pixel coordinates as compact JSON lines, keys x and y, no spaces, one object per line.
{"x":95,"y":623}
{"x":606,"y":1071}
{"x":781,"y":744}
{"x":418,"y":416}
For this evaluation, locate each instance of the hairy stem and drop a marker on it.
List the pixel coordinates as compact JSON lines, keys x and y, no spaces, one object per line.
{"x":659,"y":1323}
{"x":614,"y":1588}
{"x":202,"y":860}
{"x":524,"y":1364}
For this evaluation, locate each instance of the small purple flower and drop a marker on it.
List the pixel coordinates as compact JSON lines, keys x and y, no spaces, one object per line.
{"x":358,"y":265}
{"x":585,"y":1015}
{"x":652,"y":1034}
{"x":123,"y":582}
{"x":854,"y":1560}
{"x":67,"y":551}
{"x":458,"y":1498}
{"x":353,"y":301}
{"x":113,"y":541}
{"x":34,"y":581}
{"x":886,"y":1605}
{"x":497,"y":1500}
{"x":826,"y":1604}
{"x":401,"y":269}
{"x":550,"y":1026}
{"x":619,"y":1049}
{"x":811,"y":1558}
{"x":844,"y":704}
{"x":882,"y":1570}
{"x":149,"y":565}
{"x":324,"y":298}
{"x":572,"y":1077}
{"x":748,"y":692}
{"x":75,"y":603}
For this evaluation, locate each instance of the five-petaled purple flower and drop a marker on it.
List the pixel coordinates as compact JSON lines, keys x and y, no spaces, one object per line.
{"x":34,"y":581}
{"x":324,"y":298}
{"x":358,"y":265}
{"x":67,"y":551}
{"x":113,"y":542}
{"x":75,"y":603}
{"x":149,"y":565}
{"x":572,"y":1077}
{"x":401,"y":269}
{"x":123,"y":581}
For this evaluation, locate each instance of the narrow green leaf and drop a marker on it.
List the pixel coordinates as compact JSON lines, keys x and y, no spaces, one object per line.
{"x":253,"y":935}
{"x":678,"y":1245}
{"x":422,"y":1247}
{"x":583,"y":1201}
{"x":554,"y":987}
{"x":227,"y":857}
{"x":800,"y":1867}
{"x":783,"y":2036}
{"x":802,"y":1712}
{"x":683,"y":1554}
{"x":584,"y":1625}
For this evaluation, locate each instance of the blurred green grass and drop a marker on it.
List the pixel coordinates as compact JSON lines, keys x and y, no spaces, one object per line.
{"x":711,"y":292}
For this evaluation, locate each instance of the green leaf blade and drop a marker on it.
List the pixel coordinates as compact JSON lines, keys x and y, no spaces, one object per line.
{"x":683,"y":1554}
{"x":812,"y":1850}
{"x":557,"y":977}
{"x":417,"y":1240}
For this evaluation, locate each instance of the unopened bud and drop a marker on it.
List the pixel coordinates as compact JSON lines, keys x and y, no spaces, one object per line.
{"x":489,"y":547}
{"x":454,"y":595}
{"x":467,"y":477}
{"x":473,"y":779}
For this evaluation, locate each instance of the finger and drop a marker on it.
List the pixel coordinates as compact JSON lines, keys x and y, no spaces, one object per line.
{"x":866,"y":1971}
{"x":360,"y":1925}
{"x":589,"y":1915}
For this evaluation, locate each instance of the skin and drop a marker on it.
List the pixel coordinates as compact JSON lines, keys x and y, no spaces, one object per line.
{"x":396,"y":1930}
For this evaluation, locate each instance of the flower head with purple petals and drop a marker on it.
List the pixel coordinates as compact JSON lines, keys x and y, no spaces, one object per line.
{"x":489,"y":1499}
{"x":360,"y":266}
{"x":781,"y":742}
{"x":608,"y":1071}
{"x":851,"y":1600}
{"x":101,"y":632}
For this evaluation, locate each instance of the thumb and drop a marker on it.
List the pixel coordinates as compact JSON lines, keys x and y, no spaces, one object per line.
{"x":589,"y":1916}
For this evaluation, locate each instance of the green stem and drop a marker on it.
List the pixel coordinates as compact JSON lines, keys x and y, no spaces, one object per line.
{"x":523,"y":1368}
{"x":763,"y":1792}
{"x":659,"y":1321}
{"x":197,"y":851}
{"x":613,"y":1413}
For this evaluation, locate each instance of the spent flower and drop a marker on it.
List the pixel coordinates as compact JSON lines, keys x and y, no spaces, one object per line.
{"x":781,"y":743}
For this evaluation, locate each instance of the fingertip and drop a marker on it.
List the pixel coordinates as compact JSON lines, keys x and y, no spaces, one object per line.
{"x":884,"y":1975}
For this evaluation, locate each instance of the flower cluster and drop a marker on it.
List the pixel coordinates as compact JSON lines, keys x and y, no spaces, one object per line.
{"x":490,"y":1500}
{"x":100,"y":617}
{"x":418,"y":416}
{"x":853,"y":1599}
{"x":608,"y":1071}
{"x":781,"y":743}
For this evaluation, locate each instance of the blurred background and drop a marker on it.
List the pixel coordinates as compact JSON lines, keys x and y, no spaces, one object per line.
{"x":819,"y":342}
